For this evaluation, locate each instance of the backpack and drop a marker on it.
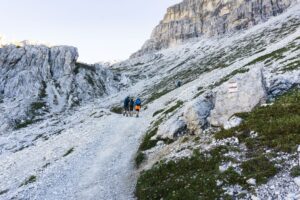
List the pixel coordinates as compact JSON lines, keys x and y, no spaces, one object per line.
{"x":131,"y":102}
{"x":138,"y":102}
{"x":126,"y":102}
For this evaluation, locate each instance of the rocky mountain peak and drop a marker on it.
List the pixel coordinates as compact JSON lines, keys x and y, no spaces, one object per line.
{"x":197,"y":18}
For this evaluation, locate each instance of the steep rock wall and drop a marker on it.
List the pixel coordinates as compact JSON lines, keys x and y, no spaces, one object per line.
{"x":196,"y":18}
{"x":36,"y":80}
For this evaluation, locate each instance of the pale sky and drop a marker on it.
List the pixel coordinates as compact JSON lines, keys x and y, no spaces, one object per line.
{"x":102,"y":30}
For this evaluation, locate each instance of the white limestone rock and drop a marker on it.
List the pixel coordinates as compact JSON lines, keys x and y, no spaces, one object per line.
{"x":197,"y":111}
{"x":251,"y":181}
{"x":233,"y":122}
{"x":297,"y":181}
{"x":172,"y":128}
{"x":240,"y":94}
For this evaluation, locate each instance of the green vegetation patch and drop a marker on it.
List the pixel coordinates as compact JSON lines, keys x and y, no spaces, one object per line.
{"x":147,"y":143}
{"x":259,"y":168}
{"x":229,"y":76}
{"x":189,"y":178}
{"x":198,"y":177}
{"x":158,"y":112}
{"x":295,"y":171}
{"x":291,"y":66}
{"x":275,"y":55}
{"x":200,"y":92}
{"x":29,"y":180}
{"x":117,"y":109}
{"x":25,"y":123}
{"x":69,"y":152}
{"x":173,"y":108}
{"x":157,"y":95}
{"x":277,"y":125}
{"x":37,"y":106}
{"x":139,"y":159}
{"x":36,"y":109}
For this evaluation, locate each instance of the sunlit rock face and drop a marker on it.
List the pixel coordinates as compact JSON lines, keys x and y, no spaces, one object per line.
{"x":197,"y":18}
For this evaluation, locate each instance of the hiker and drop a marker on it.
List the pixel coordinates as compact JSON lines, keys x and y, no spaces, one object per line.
{"x":126,"y":106}
{"x":138,"y":104}
{"x":178,"y":83}
{"x":131,"y":106}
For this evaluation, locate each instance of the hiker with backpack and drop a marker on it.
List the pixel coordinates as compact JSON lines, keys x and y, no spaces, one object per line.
{"x":131,"y":106}
{"x":138,"y":105}
{"x":178,"y":83}
{"x":126,"y":106}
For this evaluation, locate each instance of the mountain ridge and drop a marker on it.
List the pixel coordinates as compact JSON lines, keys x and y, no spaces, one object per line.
{"x":192,"y":19}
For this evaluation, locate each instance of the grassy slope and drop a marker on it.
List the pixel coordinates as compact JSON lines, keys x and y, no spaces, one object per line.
{"x":278,"y":125}
{"x":278,"y":129}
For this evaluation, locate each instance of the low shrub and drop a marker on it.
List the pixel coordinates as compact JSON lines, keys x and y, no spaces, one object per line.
{"x":189,"y":178}
{"x":139,"y":159}
{"x":29,"y":180}
{"x":147,"y":143}
{"x":69,"y":152}
{"x":117,"y":110}
{"x":295,"y":171}
{"x":157,"y":112}
{"x":259,"y":168}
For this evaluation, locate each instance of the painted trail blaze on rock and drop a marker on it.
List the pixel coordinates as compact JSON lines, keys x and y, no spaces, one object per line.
{"x":232,"y":87}
{"x":240,"y":94}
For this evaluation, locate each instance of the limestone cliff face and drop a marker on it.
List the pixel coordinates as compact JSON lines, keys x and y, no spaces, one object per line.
{"x":37,"y":80}
{"x":196,"y":18}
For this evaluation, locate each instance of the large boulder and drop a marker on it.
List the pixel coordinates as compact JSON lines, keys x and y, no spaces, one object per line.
{"x":172,"y":128}
{"x":240,"y":94}
{"x":196,"y":113}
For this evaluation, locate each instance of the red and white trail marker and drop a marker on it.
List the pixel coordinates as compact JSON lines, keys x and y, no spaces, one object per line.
{"x":232,"y":87}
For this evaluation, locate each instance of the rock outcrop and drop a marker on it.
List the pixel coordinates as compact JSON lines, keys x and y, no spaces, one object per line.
{"x":36,"y":80}
{"x":171,"y":129}
{"x":196,"y":18}
{"x":197,"y":111}
{"x":240,"y":94}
